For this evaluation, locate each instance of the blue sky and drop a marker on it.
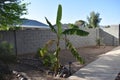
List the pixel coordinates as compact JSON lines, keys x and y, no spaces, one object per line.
{"x":74,"y":10}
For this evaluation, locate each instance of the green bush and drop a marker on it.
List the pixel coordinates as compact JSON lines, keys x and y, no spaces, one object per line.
{"x":98,"y":42}
{"x":48,"y":59}
{"x":7,"y":52}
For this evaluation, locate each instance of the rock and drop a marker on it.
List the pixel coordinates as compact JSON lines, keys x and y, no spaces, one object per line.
{"x":118,"y":77}
{"x":21,"y":75}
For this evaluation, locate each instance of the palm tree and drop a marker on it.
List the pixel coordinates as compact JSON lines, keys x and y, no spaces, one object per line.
{"x":93,"y":20}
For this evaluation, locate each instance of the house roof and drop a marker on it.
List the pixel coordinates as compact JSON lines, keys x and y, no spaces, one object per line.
{"x":33,"y":24}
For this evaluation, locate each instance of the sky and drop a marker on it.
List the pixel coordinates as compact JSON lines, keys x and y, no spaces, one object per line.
{"x":73,"y":10}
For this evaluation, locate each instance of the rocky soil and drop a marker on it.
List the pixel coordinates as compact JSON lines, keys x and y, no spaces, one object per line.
{"x":31,"y":68}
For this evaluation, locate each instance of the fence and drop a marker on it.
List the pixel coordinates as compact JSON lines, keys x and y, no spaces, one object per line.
{"x":110,"y":35}
{"x":28,"y":41}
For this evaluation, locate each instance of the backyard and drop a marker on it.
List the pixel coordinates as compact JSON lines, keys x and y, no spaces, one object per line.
{"x":26,"y":67}
{"x":57,"y":51}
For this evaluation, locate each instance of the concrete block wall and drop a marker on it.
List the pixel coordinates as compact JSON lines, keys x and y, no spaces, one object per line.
{"x":110,"y":35}
{"x":7,"y":36}
{"x":82,"y":41}
{"x":28,"y":41}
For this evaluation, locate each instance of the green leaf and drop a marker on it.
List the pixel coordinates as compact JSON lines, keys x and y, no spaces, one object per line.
{"x":75,"y":31}
{"x":51,"y":26}
{"x":58,"y":20}
{"x":59,"y":26}
{"x":59,"y":14}
{"x":42,"y":52}
{"x":74,"y":52}
{"x":11,"y":12}
{"x":71,"y":26}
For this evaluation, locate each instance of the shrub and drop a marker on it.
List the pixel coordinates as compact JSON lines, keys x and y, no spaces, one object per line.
{"x":48,"y":59}
{"x":7,"y":52}
{"x":100,"y":42}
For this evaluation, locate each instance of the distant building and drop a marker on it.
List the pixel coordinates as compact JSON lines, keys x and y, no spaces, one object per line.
{"x":33,"y":24}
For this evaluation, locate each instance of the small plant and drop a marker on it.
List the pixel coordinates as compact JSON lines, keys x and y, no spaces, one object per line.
{"x":53,"y":58}
{"x":15,"y":28}
{"x":100,"y":42}
{"x":7,"y":53}
{"x":48,"y":58}
{"x":7,"y":56}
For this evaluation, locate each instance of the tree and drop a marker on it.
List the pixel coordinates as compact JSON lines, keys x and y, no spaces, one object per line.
{"x":93,"y":20}
{"x":10,"y":12}
{"x":80,"y":23}
{"x":59,"y":33}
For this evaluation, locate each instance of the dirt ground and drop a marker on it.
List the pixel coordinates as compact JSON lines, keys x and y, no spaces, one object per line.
{"x":88,"y":53}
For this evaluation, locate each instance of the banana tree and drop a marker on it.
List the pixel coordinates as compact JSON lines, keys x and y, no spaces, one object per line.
{"x":74,"y":30}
